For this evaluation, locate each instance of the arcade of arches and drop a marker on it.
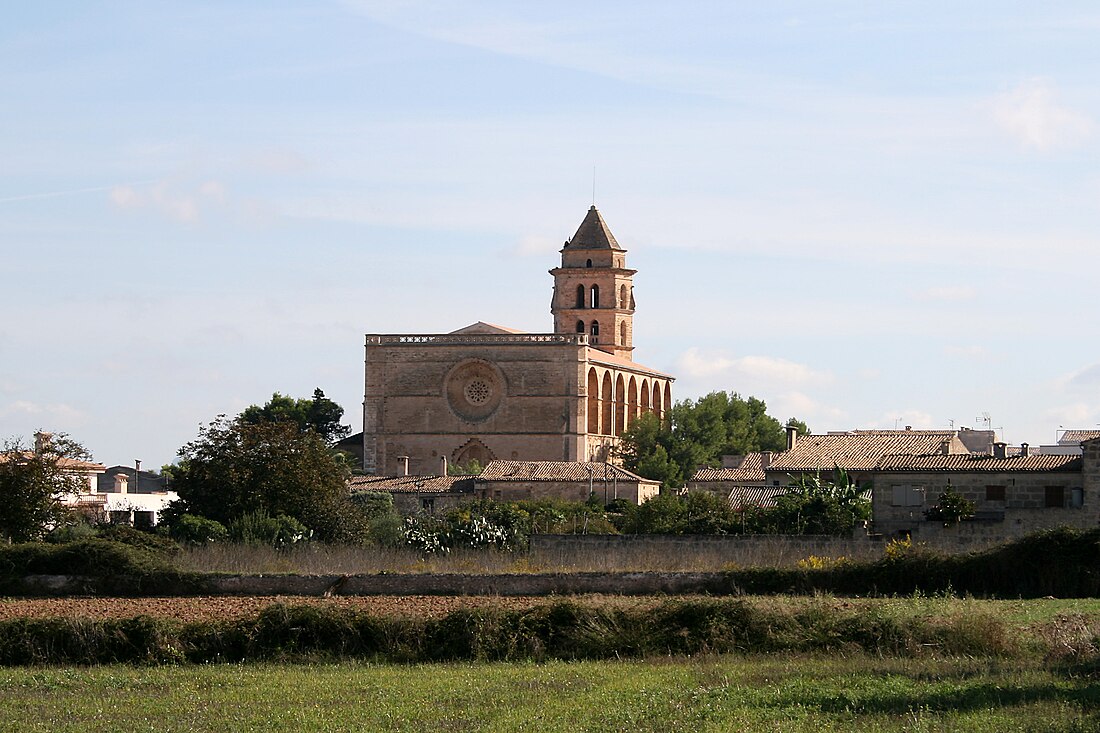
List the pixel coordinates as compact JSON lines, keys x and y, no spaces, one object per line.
{"x":616,"y":399}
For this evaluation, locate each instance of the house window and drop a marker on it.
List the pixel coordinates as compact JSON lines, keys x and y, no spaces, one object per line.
{"x":596,"y":296}
{"x":906,"y":495}
{"x":595,"y":331}
{"x":1055,"y":497}
{"x":428,"y":505}
{"x":580,"y":326}
{"x":994,"y":493}
{"x":1077,"y":498}
{"x":588,"y":263}
{"x":580,"y":296}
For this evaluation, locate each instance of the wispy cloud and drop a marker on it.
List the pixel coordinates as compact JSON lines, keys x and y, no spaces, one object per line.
{"x":698,"y":363}
{"x":1032,"y":115}
{"x":60,"y":414}
{"x":1075,"y":415}
{"x":180,"y":203}
{"x":905,"y":417}
{"x":966,"y":351}
{"x":1086,"y":378}
{"x":71,"y":192}
{"x":948,"y":293}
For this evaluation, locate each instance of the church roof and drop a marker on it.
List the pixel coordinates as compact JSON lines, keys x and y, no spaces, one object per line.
{"x":600,"y":356}
{"x":593,"y":233}
{"x":483,"y":327}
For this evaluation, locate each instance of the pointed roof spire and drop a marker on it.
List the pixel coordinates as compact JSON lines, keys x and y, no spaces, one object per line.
{"x":593,"y":233}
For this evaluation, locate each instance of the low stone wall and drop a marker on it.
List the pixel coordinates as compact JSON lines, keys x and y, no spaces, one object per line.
{"x":533,"y":584}
{"x":588,"y":550}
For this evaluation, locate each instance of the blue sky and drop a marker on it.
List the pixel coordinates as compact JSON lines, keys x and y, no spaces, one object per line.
{"x":867,"y":215}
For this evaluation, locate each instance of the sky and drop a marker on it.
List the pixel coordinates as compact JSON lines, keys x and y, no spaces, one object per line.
{"x":869,"y":215}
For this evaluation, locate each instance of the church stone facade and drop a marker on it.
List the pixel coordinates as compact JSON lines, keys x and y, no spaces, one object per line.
{"x":489,"y":393}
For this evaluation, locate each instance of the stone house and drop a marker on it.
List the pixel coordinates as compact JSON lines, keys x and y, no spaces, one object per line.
{"x":418,"y":494}
{"x":740,"y":479}
{"x":565,"y":480}
{"x":1014,"y":494}
{"x":856,"y":451}
{"x":1069,"y":442}
{"x":487,"y":392}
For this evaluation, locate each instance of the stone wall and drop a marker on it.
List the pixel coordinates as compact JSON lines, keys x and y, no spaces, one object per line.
{"x":1022,"y":511}
{"x":633,"y":491}
{"x":531,"y":409}
{"x":680,"y":550}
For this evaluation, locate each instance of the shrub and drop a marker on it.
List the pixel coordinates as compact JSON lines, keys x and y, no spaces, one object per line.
{"x":951,"y":508}
{"x":259,"y":528}
{"x":191,"y":529}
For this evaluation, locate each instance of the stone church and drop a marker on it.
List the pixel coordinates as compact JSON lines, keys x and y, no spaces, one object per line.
{"x":487,"y":392}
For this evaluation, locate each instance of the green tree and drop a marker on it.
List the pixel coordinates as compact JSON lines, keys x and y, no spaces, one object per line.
{"x":951,"y":508}
{"x":235,"y":467}
{"x":319,"y":414}
{"x":32,"y":483}
{"x":815,"y":505}
{"x":698,"y":433}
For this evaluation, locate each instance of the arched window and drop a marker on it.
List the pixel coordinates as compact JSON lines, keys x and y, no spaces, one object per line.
{"x":595,"y":331}
{"x":580,"y":296}
{"x":593,"y":402}
{"x":622,"y":334}
{"x":580,"y":326}
{"x":596,"y":296}
{"x":620,"y":405}
{"x":623,"y":302}
{"x":607,"y":405}
{"x":588,"y":264}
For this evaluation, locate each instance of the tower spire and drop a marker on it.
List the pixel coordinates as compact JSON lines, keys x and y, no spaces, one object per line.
{"x":593,"y":288}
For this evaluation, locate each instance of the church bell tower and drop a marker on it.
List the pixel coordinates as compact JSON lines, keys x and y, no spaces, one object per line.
{"x":594,"y":290}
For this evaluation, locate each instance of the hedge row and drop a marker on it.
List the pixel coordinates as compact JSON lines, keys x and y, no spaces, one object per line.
{"x":1060,"y":562}
{"x":560,"y":630}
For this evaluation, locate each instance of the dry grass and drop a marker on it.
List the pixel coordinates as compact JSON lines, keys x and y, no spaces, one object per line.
{"x":318,"y":559}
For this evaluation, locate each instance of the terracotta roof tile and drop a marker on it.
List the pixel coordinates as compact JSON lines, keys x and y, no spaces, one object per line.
{"x":593,"y":233}
{"x":594,"y":354}
{"x":66,"y":463}
{"x":750,"y":469}
{"x":555,"y":471}
{"x":979,"y":463}
{"x":1072,"y":437}
{"x":860,"y":450}
{"x":412,"y":484}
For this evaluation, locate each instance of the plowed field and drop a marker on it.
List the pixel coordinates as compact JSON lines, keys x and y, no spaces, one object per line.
{"x":209,"y":608}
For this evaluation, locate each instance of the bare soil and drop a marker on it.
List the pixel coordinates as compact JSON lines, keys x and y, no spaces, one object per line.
{"x":213,"y":608}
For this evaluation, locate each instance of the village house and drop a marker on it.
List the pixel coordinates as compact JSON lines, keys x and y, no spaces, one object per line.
{"x":511,"y":481}
{"x":1013,"y":494}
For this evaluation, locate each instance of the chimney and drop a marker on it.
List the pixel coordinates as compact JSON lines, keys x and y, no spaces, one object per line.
{"x":945,"y":448}
{"x":908,"y":427}
{"x":121,"y":480}
{"x":403,"y":461}
{"x":766,"y":459}
{"x":1025,"y":450}
{"x":443,"y":465}
{"x":1000,"y":450}
{"x":792,"y":436}
{"x":42,"y":442}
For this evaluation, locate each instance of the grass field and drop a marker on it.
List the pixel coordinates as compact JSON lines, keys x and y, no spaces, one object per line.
{"x":784,"y":693}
